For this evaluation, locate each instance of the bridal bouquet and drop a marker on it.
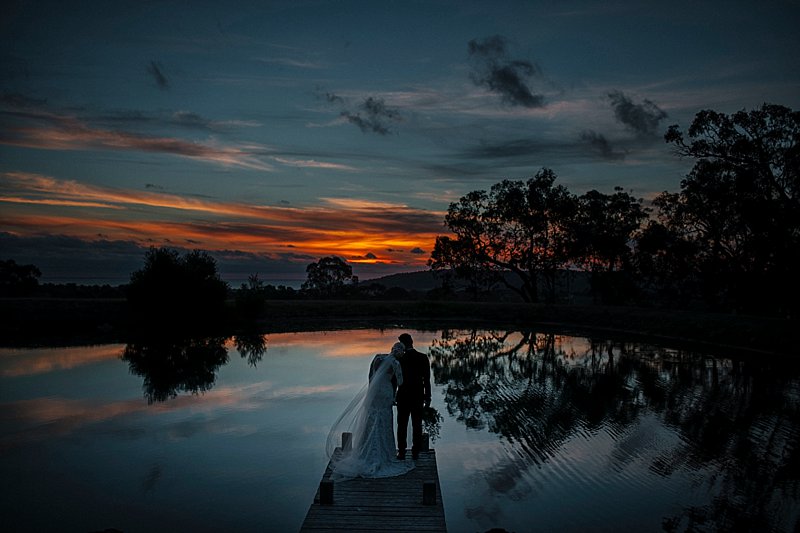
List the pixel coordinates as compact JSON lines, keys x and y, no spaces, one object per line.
{"x":431,"y":422}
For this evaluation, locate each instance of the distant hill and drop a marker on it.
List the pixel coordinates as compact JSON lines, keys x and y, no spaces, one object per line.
{"x":423,"y":280}
{"x":572,"y":286}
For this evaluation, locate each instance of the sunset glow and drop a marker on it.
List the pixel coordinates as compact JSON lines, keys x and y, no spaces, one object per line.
{"x":360,"y":230}
{"x":351,"y":343}
{"x":254,"y":132}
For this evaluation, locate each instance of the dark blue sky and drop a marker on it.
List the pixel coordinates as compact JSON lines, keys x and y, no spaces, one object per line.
{"x":273,"y":133}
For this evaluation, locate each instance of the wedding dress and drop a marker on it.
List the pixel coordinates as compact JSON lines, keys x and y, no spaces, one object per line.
{"x":370,"y":419}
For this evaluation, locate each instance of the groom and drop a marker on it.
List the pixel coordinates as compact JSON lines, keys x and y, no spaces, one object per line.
{"x":412,"y":396}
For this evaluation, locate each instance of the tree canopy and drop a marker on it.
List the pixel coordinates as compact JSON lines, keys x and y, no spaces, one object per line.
{"x":178,"y":290}
{"x":739,"y":207}
{"x":18,"y":280}
{"x":517,"y":226}
{"x":730,"y":237}
{"x":330,"y":276}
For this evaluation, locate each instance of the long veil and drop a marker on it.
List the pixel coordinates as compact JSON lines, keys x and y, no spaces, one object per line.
{"x":354,"y":417}
{"x":370,"y":420}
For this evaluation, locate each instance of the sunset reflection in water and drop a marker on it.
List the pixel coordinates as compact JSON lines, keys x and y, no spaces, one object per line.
{"x":560,"y":431}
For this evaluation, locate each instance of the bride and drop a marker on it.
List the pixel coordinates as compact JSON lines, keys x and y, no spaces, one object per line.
{"x":370,"y":419}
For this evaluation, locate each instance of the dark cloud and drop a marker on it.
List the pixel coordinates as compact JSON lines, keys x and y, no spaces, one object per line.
{"x":334,"y":99}
{"x":18,"y":100}
{"x":61,"y":257}
{"x":182,"y":119}
{"x":187,"y":119}
{"x":373,"y":116}
{"x":489,"y":156}
{"x":493,"y":69}
{"x":417,"y":250}
{"x":642,"y":118}
{"x":68,"y":259}
{"x":600,"y":144}
{"x":127,"y":116}
{"x":368,"y":255}
{"x":233,"y":263}
{"x":153,"y":186}
{"x":191,"y":120}
{"x":510,"y":149}
{"x":156,"y":70}
{"x":328,"y":96}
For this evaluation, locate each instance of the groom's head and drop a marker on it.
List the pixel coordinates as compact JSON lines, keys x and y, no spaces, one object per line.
{"x":405,"y":338}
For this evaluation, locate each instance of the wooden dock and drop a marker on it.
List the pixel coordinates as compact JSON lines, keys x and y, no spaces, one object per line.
{"x":411,"y":502}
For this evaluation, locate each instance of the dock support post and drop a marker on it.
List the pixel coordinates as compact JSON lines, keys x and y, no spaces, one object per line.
{"x":426,"y":443}
{"x":326,"y":492}
{"x":429,"y":493}
{"x":347,"y":441}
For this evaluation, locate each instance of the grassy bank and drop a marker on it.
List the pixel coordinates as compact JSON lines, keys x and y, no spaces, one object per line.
{"x":64,"y":321}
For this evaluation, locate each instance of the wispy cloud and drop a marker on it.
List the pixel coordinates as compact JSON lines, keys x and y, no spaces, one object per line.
{"x":311,"y":163}
{"x":49,"y":131}
{"x":190,"y":120}
{"x":294,"y":63}
{"x":156,"y":70}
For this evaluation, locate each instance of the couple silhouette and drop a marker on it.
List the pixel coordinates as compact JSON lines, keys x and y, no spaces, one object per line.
{"x":402,"y":378}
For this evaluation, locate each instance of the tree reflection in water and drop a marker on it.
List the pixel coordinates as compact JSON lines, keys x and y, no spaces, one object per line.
{"x":737,"y":419}
{"x":170,"y":366}
{"x":252,"y":347}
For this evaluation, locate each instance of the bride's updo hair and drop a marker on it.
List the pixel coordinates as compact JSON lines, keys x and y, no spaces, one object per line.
{"x":398,"y":349}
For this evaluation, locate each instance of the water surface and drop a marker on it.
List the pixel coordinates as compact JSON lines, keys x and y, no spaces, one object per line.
{"x":537,"y":432}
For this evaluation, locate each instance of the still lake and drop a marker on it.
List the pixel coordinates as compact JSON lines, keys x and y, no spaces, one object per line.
{"x":538,"y":432}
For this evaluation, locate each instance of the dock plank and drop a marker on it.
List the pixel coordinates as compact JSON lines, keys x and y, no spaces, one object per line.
{"x":385,"y":504}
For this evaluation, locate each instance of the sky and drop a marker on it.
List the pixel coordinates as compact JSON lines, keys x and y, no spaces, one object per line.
{"x":273,"y":133}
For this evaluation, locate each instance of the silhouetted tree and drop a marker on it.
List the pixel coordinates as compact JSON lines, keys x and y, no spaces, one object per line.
{"x":18,"y":280}
{"x":517,"y":226}
{"x":740,"y":204}
{"x":281,"y":292}
{"x":602,"y":232}
{"x":328,"y":277}
{"x":251,"y":297}
{"x":664,"y":261}
{"x":174,"y":290}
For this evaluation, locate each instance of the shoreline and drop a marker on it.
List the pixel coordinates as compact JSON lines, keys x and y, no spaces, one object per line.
{"x":56,"y":321}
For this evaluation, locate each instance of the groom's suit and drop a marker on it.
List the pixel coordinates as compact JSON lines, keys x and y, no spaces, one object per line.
{"x":412,"y":395}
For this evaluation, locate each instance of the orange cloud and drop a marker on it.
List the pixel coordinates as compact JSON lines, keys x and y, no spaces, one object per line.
{"x":353,"y":228}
